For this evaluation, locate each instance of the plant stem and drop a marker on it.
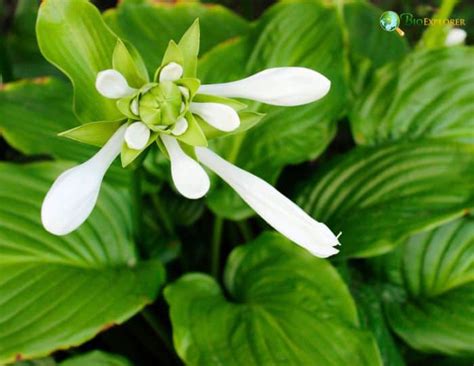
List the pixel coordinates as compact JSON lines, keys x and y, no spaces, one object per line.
{"x":158,"y":328}
{"x":136,"y":193}
{"x":216,"y":246}
{"x":245,"y":230}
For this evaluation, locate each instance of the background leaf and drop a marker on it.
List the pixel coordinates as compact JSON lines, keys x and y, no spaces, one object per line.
{"x":96,"y":358}
{"x":73,"y":36}
{"x":379,"y":196}
{"x":434,"y":271}
{"x":283,"y":307}
{"x":57,"y":292}
{"x":428,"y":95}
{"x":149,"y":26}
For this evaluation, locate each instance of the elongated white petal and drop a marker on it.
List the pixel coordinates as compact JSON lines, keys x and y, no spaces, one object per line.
{"x":189,"y":177}
{"x":180,"y":127}
{"x":184,"y":91}
{"x":284,"y":86}
{"x":73,"y":195}
{"x":277,"y":210}
{"x":171,"y":72}
{"x":456,"y":36}
{"x":218,"y":115}
{"x":112,"y":84}
{"x":137,"y":135}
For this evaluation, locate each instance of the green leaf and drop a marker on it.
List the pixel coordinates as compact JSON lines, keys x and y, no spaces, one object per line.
{"x":435,"y":273}
{"x":172,"y":54}
{"x":34,"y":112}
{"x":93,"y":133}
{"x":189,"y":45}
{"x":377,"y":197}
{"x":369,"y":46}
{"x":73,"y":36}
{"x":371,"y":313}
{"x":149,"y":26}
{"x":58,"y":292}
{"x":20,"y":43}
{"x":290,"y":34}
{"x":129,"y":63}
{"x":283,"y":306}
{"x":96,"y":358}
{"x":428,"y":95}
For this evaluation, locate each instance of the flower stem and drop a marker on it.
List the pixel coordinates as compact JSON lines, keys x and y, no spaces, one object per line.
{"x":216,"y":246}
{"x":245,"y":230}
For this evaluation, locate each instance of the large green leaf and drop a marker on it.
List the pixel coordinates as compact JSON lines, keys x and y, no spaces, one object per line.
{"x":57,"y":292}
{"x":25,"y":56}
{"x":33,"y":112}
{"x":428,"y":95}
{"x":73,"y":36}
{"x":295,"y":34}
{"x":434,"y":271}
{"x":371,"y":313}
{"x":369,"y":46}
{"x":96,"y":358}
{"x":379,"y":196}
{"x":283,"y":307}
{"x":149,"y":25}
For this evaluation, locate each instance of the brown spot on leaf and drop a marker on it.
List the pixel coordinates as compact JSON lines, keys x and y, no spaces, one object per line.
{"x":18,"y":357}
{"x":107,"y":326}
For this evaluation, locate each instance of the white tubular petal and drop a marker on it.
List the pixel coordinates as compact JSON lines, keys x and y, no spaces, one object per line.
{"x":180,"y":127}
{"x":112,"y":84}
{"x":184,"y":91}
{"x":189,"y":177}
{"x":284,"y":86}
{"x":171,"y":72}
{"x":456,"y":36}
{"x":277,"y":210}
{"x":137,"y":135}
{"x":73,"y":195}
{"x":218,"y":115}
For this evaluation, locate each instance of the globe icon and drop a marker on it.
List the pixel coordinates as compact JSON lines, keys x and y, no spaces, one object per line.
{"x":389,"y":21}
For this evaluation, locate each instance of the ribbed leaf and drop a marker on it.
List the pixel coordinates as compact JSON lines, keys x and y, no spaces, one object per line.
{"x":435,"y":269}
{"x":149,"y":26}
{"x":379,"y":196}
{"x":430,"y":94}
{"x":33,"y":112}
{"x":292,"y":34}
{"x":57,"y":292}
{"x":369,"y":46}
{"x":284,"y":307}
{"x":73,"y":36}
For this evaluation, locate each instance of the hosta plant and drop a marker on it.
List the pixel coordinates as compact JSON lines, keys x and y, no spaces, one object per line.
{"x":144,"y":150}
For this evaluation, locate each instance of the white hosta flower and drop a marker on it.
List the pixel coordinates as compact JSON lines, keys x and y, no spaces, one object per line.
{"x":112,"y":84}
{"x":455,"y":37}
{"x":180,"y":127}
{"x":284,"y":86}
{"x":171,"y":72}
{"x":218,"y":115}
{"x":155,"y":107}
{"x":277,"y":210}
{"x":72,"y":197}
{"x":189,"y":178}
{"x":137,"y":135}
